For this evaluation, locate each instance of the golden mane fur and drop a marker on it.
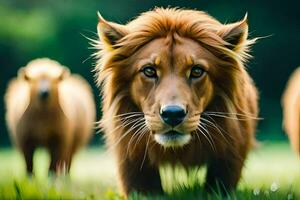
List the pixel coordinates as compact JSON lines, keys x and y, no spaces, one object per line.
{"x":291,"y":110}
{"x":232,"y":92}
{"x":159,"y":23}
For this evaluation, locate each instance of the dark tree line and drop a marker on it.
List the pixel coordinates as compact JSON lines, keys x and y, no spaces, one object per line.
{"x":55,"y":29}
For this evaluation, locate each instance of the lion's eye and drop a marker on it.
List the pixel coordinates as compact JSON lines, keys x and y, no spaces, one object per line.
{"x":196,"y":72}
{"x":149,"y":71}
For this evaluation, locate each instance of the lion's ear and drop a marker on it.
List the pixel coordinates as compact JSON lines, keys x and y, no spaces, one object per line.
{"x":235,"y":34}
{"x":64,"y":74}
{"x":22,"y":74}
{"x":110,"y":33}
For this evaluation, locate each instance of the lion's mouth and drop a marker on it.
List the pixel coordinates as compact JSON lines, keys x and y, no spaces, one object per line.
{"x":172,"y":138}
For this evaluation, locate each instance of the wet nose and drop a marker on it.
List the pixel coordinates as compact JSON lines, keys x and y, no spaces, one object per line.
{"x":44,"y":87}
{"x":44,"y":94}
{"x":172,"y":115}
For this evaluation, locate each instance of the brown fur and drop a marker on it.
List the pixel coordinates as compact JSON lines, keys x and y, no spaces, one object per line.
{"x":62,"y":122}
{"x":175,"y":40}
{"x":291,"y":110}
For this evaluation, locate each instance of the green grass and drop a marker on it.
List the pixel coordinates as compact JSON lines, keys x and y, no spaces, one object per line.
{"x":272,"y":172}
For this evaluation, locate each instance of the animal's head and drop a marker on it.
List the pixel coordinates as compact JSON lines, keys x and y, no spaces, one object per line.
{"x":171,"y":65}
{"x":43,"y":77}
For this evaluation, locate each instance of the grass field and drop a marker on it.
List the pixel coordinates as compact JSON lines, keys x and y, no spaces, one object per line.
{"x":272,"y":172}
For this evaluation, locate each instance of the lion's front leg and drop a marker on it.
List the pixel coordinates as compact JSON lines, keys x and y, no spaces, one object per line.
{"x":223,"y":175}
{"x":135,"y":177}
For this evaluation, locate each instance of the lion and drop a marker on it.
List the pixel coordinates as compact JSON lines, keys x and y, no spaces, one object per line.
{"x":176,"y":92}
{"x":291,"y":110}
{"x":48,"y":107}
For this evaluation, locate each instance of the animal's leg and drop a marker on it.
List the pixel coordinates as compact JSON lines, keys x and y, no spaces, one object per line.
{"x":73,"y":150}
{"x":54,"y":161}
{"x":58,"y":163}
{"x":69,"y":162}
{"x":28,"y":151}
{"x":133,"y":177}
{"x":223,"y":175}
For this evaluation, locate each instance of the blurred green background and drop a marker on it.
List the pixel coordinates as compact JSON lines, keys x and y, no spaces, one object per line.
{"x":31,"y":29}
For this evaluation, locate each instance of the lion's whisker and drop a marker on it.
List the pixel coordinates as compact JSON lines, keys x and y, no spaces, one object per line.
{"x":207,"y":135}
{"x":213,"y":125}
{"x":144,"y":157}
{"x":197,"y":134}
{"x":125,"y":124}
{"x":233,"y":115}
{"x":138,"y":121}
{"x":144,"y":131}
{"x":207,"y":138}
{"x":99,"y":124}
{"x":227,"y":117}
{"x":119,"y":116}
{"x":126,"y":133}
{"x":137,"y":133}
{"x":220,"y":130}
{"x":140,"y":136}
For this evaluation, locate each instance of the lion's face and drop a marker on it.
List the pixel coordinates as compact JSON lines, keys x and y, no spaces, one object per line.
{"x":172,"y":64}
{"x":172,"y":87}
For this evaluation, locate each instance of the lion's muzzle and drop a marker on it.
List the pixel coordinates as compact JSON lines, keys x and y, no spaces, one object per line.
{"x":172,"y":139}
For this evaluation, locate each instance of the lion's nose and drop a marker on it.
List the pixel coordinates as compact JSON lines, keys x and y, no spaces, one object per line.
{"x":172,"y":115}
{"x":44,"y":94}
{"x":44,"y":89}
